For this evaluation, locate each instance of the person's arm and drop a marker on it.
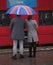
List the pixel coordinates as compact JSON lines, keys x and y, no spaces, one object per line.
{"x":25,"y":24}
{"x":36,"y":25}
{"x":11,"y":25}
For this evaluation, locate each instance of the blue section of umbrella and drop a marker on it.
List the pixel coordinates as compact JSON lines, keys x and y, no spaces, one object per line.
{"x":21,"y":10}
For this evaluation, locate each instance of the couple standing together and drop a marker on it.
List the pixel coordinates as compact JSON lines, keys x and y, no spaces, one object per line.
{"x":17,"y":26}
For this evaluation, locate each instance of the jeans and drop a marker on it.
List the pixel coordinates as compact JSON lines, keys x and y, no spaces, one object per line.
{"x":15,"y":43}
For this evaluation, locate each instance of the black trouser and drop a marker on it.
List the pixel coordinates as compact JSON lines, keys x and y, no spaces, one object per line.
{"x":32,"y":45}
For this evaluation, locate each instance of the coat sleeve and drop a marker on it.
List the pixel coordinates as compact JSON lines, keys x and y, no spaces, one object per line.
{"x":25,"y":25}
{"x":35,"y":24}
{"x":11,"y":24}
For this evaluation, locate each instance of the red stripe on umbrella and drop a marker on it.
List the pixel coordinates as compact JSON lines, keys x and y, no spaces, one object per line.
{"x":14,"y":9}
{"x":26,"y":8}
{"x":21,"y":10}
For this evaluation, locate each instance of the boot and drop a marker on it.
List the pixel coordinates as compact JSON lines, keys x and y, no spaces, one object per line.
{"x":30,"y":50}
{"x":34,"y":50}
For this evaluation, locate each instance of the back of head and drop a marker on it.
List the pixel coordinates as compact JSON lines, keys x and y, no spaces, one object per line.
{"x":18,"y":15}
{"x":29,"y":17}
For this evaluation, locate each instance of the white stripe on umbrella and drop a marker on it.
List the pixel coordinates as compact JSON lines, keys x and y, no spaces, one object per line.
{"x":14,"y":9}
{"x":18,"y":10}
{"x":27,"y":10}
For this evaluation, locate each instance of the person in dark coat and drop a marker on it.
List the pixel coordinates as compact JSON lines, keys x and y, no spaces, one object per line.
{"x":32,"y":35}
{"x":17,"y":34}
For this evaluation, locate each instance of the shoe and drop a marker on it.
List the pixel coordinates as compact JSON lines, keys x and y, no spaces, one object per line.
{"x":21,"y":56}
{"x":14,"y":57}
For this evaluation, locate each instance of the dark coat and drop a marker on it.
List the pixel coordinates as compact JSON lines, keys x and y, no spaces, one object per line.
{"x":17,"y":28}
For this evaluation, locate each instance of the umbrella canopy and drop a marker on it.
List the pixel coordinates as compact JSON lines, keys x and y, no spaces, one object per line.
{"x":21,"y":10}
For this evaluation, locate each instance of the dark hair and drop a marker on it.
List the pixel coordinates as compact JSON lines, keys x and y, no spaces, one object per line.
{"x":29,"y":17}
{"x":18,"y":15}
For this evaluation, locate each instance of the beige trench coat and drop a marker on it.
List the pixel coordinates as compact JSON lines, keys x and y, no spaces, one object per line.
{"x":32,"y":30}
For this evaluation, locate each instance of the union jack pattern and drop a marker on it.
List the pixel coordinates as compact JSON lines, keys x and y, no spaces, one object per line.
{"x":21,"y":10}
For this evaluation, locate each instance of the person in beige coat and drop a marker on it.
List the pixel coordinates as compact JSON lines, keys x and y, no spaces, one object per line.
{"x":32,"y":35}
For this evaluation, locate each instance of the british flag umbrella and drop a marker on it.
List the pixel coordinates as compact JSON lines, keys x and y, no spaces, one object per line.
{"x":21,"y":10}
